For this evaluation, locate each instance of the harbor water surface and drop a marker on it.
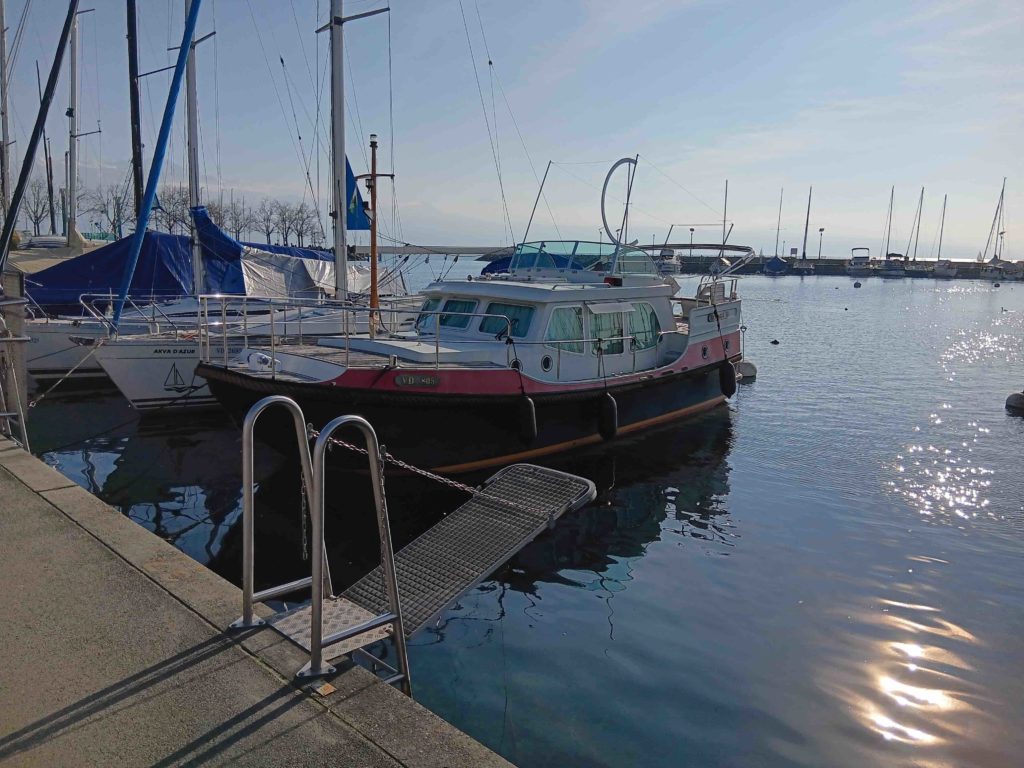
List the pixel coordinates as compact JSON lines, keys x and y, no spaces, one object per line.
{"x":827,"y":571}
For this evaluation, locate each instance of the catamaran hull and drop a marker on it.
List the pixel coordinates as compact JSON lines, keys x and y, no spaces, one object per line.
{"x":454,"y":434}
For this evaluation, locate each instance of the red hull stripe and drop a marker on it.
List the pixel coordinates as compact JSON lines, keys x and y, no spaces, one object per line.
{"x":505,"y":381}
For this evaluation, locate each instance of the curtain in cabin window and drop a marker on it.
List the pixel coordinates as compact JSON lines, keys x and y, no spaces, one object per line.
{"x":457,"y":305}
{"x":519,"y":316}
{"x":608,"y":327}
{"x":644,"y":325}
{"x":566,"y":326}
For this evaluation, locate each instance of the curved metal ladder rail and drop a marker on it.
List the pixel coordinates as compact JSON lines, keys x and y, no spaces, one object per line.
{"x":393,"y":616}
{"x":248,"y":559}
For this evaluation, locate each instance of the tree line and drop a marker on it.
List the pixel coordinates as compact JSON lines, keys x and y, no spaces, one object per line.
{"x":110,"y":209}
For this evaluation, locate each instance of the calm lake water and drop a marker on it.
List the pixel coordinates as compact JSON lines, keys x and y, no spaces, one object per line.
{"x":828,"y":571}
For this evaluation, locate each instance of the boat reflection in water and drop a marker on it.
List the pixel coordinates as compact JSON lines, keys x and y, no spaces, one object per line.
{"x":626,"y":516}
{"x":180,"y":479}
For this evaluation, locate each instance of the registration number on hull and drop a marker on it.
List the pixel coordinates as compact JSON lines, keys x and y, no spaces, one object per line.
{"x":416,"y":380}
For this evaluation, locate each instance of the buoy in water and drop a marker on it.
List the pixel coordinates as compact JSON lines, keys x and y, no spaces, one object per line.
{"x":1015,"y":403}
{"x":746,"y":370}
{"x":527,"y":420}
{"x":857,"y":284}
{"x":774,"y":342}
{"x":608,"y":417}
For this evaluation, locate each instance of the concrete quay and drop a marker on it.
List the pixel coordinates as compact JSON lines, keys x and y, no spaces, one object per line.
{"x":114,"y":654}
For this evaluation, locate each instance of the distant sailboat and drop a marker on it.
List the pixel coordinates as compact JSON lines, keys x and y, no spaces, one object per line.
{"x":944,"y":268}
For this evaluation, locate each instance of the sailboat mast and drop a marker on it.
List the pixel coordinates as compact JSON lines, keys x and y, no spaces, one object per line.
{"x":778,"y":224}
{"x":725,"y":210}
{"x":133,"y":98}
{"x":917,"y":233}
{"x":72,"y":181}
{"x":339,"y":182}
{"x":192,"y":132}
{"x":888,"y":223}
{"x":807,"y":223}
{"x":1000,"y":229}
{"x":5,"y":161}
{"x":942,"y":226}
{"x":149,"y":196}
{"x":47,"y":163}
{"x":374,"y":288}
{"x":33,"y":140}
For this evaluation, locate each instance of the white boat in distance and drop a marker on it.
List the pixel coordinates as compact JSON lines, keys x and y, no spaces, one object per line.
{"x":860,"y":263}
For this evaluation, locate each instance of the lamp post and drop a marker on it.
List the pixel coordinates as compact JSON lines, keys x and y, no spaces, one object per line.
{"x":691,"y":242}
{"x":821,"y":234}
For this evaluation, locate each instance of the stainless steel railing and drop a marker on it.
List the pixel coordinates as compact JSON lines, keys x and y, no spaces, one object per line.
{"x":319,"y":580}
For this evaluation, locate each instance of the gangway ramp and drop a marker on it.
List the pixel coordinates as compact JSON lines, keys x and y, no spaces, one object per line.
{"x":410,"y":588}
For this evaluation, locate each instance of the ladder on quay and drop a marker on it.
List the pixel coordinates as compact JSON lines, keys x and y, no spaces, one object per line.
{"x":413,"y":586}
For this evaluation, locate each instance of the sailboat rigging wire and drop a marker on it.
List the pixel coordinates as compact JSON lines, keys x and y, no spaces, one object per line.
{"x":487,"y":122}
{"x":216,"y":103}
{"x":490,"y":78}
{"x":529,"y":159}
{"x":676,"y":183}
{"x":12,"y":57}
{"x":396,"y":218}
{"x":298,"y":133}
{"x":277,"y":92}
{"x":357,"y":124}
{"x":598,"y":189}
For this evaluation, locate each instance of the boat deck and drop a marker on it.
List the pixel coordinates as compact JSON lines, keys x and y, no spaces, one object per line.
{"x":337,"y":356}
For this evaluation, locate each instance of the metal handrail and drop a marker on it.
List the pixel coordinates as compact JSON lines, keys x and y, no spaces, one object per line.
{"x":322,"y":575}
{"x":394,"y":616}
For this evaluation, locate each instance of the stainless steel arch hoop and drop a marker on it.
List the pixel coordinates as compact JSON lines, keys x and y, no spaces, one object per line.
{"x":604,"y":192}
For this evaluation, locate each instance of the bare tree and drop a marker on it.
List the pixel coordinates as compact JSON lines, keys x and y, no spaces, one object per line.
{"x":265,"y":218}
{"x":36,"y":204}
{"x":217,"y":213}
{"x":285,"y":220}
{"x":238,"y":218}
{"x":172,"y":215}
{"x":112,"y":205}
{"x":306,"y":224}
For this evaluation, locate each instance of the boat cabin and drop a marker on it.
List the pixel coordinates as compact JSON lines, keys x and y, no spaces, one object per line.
{"x":567,"y":311}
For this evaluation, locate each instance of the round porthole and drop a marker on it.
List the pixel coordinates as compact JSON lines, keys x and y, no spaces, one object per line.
{"x":711,"y":318}
{"x":704,"y":352}
{"x":545,"y":362}
{"x":515,"y":364}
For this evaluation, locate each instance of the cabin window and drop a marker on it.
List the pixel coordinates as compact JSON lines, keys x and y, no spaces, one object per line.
{"x":607,"y":326}
{"x":644,"y":325}
{"x":425,"y":321}
{"x":461,"y":306}
{"x":519,"y":316}
{"x":565,"y":330}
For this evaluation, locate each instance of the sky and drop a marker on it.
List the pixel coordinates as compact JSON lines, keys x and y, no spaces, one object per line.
{"x":848,"y":97}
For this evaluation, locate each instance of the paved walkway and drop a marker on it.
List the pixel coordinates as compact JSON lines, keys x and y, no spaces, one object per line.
{"x":111,"y":653}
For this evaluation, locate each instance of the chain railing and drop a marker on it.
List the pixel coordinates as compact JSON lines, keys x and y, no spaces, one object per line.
{"x":388,"y":458}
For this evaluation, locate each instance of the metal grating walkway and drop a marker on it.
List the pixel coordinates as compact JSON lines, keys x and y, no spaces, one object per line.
{"x":513,"y":507}
{"x":339,"y":613}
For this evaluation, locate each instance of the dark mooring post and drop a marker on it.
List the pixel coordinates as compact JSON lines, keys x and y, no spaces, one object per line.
{"x":133,"y":95}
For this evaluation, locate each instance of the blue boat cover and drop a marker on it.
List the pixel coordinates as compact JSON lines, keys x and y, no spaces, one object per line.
{"x":164,"y":269}
{"x":504,"y":264}
{"x":776,"y":266}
